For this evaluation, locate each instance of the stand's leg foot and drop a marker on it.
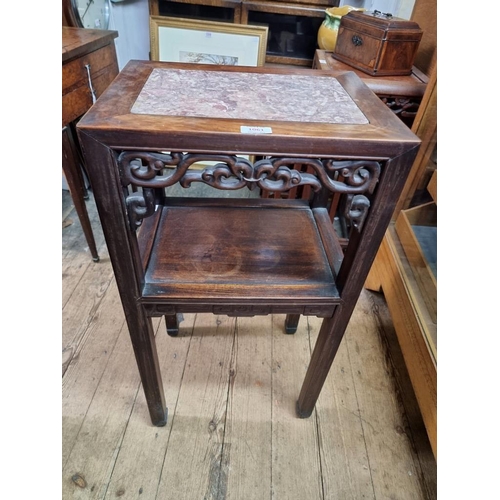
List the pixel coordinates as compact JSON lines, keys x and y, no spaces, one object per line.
{"x":172,"y":321}
{"x":161,"y":419}
{"x":301,"y":413}
{"x":329,"y":338}
{"x":291,"y":323}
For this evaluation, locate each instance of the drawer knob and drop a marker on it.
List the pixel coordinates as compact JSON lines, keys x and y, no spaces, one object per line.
{"x":92,"y":91}
{"x":357,"y":40}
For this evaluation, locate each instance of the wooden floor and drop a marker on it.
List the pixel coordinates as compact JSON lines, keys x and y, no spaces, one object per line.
{"x":231,"y":387}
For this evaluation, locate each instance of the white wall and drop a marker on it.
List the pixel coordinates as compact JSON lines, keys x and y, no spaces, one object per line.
{"x":131,"y":19}
{"x":398,"y":8}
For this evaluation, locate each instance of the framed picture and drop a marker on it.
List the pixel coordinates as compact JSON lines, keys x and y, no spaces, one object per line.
{"x":207,"y":42}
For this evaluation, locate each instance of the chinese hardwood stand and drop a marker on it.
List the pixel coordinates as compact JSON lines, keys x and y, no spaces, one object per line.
{"x":248,"y":128}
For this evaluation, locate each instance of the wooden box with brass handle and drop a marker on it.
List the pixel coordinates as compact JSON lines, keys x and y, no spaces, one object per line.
{"x":377,"y":43}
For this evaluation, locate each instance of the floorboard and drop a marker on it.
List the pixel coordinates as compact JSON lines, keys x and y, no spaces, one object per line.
{"x":392,"y":465}
{"x":344,"y":457}
{"x":231,"y":385}
{"x":248,"y":430}
{"x":296,"y":468}
{"x":194,"y":465}
{"x":141,"y":457}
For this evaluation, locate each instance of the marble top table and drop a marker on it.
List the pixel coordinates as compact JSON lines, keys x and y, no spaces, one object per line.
{"x":241,"y":257}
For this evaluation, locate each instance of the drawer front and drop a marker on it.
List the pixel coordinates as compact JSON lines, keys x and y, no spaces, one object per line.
{"x":74,"y":73}
{"x":79,"y":100}
{"x":76,"y":95}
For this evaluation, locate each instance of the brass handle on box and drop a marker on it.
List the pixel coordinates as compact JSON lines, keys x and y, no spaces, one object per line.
{"x":357,"y":40}
{"x":386,"y":14}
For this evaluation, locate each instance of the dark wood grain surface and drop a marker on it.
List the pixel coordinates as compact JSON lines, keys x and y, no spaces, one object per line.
{"x":249,"y":254}
{"x":378,"y":44}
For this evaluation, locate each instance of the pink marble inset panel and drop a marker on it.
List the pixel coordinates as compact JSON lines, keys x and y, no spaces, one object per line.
{"x":247,"y":96}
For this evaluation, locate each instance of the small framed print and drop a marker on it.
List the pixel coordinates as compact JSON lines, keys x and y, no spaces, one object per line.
{"x":207,"y":42}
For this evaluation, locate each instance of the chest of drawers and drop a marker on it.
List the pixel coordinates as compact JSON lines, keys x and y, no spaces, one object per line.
{"x":89,"y":65}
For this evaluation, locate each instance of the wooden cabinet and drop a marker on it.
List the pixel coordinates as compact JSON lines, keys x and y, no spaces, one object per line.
{"x":293,"y":25}
{"x":208,"y":10}
{"x":89,"y":65}
{"x":293,"y":29}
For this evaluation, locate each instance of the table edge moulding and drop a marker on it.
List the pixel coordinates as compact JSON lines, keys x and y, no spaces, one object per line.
{"x":241,"y":257}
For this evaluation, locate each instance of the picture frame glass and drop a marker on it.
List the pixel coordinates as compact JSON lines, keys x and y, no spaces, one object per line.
{"x":207,"y":42}
{"x":207,"y":47}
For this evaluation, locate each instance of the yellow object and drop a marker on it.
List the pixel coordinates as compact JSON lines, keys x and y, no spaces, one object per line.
{"x":328,"y":31}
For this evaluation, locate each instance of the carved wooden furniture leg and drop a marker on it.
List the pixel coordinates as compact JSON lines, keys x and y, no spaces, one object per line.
{"x":76,"y":188}
{"x":172,"y":322}
{"x":291,"y":323}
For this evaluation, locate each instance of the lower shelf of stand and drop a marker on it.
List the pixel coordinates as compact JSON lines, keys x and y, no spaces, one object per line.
{"x":257,"y":252}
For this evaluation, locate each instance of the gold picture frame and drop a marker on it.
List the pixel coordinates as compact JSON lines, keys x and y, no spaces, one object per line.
{"x":176,"y":39}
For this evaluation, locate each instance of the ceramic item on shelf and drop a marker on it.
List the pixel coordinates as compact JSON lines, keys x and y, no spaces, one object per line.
{"x":328,"y":31}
